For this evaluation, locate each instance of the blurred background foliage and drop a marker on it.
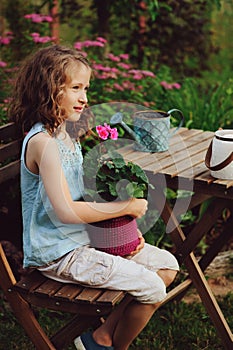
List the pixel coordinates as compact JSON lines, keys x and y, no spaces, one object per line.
{"x":150,"y":53}
{"x":186,"y":44}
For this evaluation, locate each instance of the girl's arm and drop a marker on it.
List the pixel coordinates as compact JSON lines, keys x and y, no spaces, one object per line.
{"x":42,"y":152}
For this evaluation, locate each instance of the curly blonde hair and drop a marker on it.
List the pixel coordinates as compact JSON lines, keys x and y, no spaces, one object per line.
{"x":39,"y":87}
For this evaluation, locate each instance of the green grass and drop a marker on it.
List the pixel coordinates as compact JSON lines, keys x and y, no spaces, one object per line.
{"x":176,"y":326}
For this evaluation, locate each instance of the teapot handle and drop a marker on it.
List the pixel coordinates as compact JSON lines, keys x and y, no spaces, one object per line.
{"x":219,"y":166}
{"x":181,"y":119}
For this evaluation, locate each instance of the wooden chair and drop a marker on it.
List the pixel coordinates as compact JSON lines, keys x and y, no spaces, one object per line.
{"x":88,"y":304}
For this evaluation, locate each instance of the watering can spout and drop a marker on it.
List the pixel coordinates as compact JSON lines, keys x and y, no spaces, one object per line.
{"x":117,"y":118}
{"x":152,"y":128}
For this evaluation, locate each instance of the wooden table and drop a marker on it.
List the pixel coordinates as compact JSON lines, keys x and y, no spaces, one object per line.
{"x":182,"y":167}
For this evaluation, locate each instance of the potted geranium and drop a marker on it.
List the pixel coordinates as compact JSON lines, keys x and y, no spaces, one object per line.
{"x":107,"y":177}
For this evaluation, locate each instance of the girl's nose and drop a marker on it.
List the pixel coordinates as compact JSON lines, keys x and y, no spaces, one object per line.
{"x":83,"y":98}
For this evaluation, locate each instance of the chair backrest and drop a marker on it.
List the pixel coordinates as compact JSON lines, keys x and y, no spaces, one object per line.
{"x":10,"y":146}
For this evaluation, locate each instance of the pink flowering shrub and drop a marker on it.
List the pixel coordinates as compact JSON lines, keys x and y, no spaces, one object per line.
{"x":41,"y":22}
{"x":41,"y":39}
{"x":35,"y":35}
{"x":117,"y":79}
{"x":115,"y":76}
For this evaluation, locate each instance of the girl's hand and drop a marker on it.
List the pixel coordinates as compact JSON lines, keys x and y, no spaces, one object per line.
{"x":140,"y":245}
{"x":138,"y":207}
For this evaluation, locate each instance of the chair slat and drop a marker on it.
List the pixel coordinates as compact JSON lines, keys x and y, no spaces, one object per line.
{"x":111,"y":297}
{"x":9,"y":132}
{"x":88,"y":295}
{"x":30,"y":282}
{"x":11,"y":149}
{"x":68,"y":292}
{"x":9,"y":171}
{"x":48,"y":288}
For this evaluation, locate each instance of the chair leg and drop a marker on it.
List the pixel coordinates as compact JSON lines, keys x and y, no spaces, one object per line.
{"x":28,"y":321}
{"x":73,"y":329}
{"x":21,"y":308}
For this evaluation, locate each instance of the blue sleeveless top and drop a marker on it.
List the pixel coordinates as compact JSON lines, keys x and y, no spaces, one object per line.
{"x":45,"y":237}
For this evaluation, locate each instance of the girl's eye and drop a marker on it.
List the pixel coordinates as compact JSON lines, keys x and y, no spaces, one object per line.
{"x":76,"y":87}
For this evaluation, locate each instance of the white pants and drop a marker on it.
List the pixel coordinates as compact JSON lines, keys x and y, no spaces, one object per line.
{"x":136,"y":275}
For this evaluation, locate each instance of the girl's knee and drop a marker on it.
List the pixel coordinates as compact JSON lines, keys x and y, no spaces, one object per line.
{"x":167,"y":276}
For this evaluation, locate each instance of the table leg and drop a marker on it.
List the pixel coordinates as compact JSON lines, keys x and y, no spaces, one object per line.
{"x":195,"y":272}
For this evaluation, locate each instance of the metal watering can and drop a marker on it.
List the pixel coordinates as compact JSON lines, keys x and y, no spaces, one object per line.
{"x":219,"y":156}
{"x":151,"y":129}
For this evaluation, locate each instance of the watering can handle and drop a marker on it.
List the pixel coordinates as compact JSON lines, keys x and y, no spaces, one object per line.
{"x":181,"y":119}
{"x":219,"y":166}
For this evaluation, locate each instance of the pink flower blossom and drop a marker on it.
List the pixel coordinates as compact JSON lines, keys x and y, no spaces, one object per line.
{"x":35,"y":35}
{"x":133,"y":71}
{"x":113,"y":57}
{"x":41,"y":39}
{"x":118,"y":87}
{"x":3,"y":64}
{"x":34,"y":17}
{"x":176,"y":85}
{"x":104,"y":68}
{"x":28,"y":16}
{"x":106,"y":131}
{"x":107,"y":127}
{"x":7,"y":100}
{"x":124,"y":65}
{"x":128,"y":85}
{"x":88,"y":43}
{"x":78,"y":45}
{"x":4,"y":40}
{"x":83,"y":53}
{"x":47,"y":18}
{"x":114,"y":134}
{"x":102,"y":40}
{"x":124,"y":56}
{"x":38,"y":18}
{"x":102,"y":132}
{"x":166,"y":85}
{"x":170,"y":86}
{"x":137,"y":76}
{"x":125,"y":75}
{"x":148,"y":73}
{"x":114,"y":70}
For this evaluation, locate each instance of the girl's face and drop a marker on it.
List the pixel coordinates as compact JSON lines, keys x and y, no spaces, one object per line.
{"x":74,"y":97}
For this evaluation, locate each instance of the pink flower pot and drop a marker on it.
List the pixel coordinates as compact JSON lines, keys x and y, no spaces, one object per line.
{"x":117,"y":236}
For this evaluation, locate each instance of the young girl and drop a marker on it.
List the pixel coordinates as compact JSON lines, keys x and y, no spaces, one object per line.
{"x":50,"y":91}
